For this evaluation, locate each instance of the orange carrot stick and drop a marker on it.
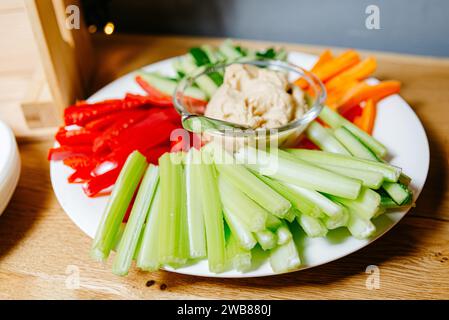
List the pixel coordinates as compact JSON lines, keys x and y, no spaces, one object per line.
{"x":366,"y":120}
{"x":363,"y":93}
{"x":360,"y":71}
{"x":324,"y":57}
{"x":333,"y":67}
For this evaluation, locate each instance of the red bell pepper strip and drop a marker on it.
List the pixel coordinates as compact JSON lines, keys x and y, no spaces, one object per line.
{"x":84,"y":113}
{"x":121,"y":124}
{"x":147,"y":133}
{"x":103,"y":123}
{"x":98,"y":183}
{"x":64,"y":152}
{"x":80,"y":175}
{"x":80,"y":162}
{"x":75,"y":137}
{"x":152,"y":91}
{"x":154,"y":153}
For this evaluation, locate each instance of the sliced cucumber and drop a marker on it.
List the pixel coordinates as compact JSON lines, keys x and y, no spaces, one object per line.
{"x":199,"y":56}
{"x":211,"y":53}
{"x":398,"y":192}
{"x":168,"y":86}
{"x":229,"y":51}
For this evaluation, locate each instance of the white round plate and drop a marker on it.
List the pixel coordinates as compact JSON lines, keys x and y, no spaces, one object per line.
{"x":397,"y":126}
{"x":9,"y":165}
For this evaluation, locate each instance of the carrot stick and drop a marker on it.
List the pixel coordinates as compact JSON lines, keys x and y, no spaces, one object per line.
{"x":359,"y":71}
{"x":335,"y":97}
{"x":324,"y":57}
{"x":363,"y":93}
{"x":366,"y":120}
{"x":332,"y":67}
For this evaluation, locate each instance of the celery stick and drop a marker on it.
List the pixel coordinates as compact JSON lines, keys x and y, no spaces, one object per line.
{"x":239,"y":229}
{"x":234,"y":200}
{"x":370,"y":179}
{"x":148,"y":256}
{"x":389,"y":172}
{"x":291,"y":215}
{"x":213,"y":217}
{"x":133,"y":229}
{"x":353,"y":144}
{"x":336,"y":221}
{"x":285,"y":258}
{"x":266,"y":239}
{"x":398,"y":192}
{"x":118,"y":203}
{"x":258,"y":191}
{"x":359,"y":227}
{"x":283,"y":234}
{"x":297,"y":200}
{"x":171,"y":182}
{"x":272,"y":222}
{"x":183,"y":248}
{"x":327,"y":206}
{"x":239,"y":257}
{"x":335,"y":120}
{"x":195,"y":215}
{"x":324,"y":139}
{"x":366,"y":205}
{"x":282,"y":166}
{"x":313,"y":227}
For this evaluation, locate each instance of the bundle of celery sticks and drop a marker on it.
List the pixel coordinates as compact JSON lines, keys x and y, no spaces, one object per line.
{"x":210,"y":204}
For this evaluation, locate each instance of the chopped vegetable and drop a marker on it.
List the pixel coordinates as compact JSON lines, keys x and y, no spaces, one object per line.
{"x":367,"y":119}
{"x":131,"y":235}
{"x":121,"y":196}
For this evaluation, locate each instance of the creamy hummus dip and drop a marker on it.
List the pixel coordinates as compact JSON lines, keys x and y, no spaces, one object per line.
{"x":256,"y":97}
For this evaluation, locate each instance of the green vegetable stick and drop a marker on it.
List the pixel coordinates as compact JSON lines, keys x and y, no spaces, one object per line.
{"x":195,"y":215}
{"x":239,"y":257}
{"x":213,"y":217}
{"x":171,"y":176}
{"x":118,"y":203}
{"x":130,"y":238}
{"x":285,"y":257}
{"x":267,"y":239}
{"x":148,"y":256}
{"x":237,"y":202}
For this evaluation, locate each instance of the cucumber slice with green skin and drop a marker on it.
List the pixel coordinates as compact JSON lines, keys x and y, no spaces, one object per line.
{"x":229,"y":51}
{"x":168,"y":86}
{"x":199,"y":56}
{"x":211,"y":53}
{"x":216,"y":77}
{"x":398,"y":192}
{"x":204,"y":82}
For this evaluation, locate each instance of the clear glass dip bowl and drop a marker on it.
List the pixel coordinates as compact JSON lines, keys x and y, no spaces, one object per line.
{"x":234,"y":136}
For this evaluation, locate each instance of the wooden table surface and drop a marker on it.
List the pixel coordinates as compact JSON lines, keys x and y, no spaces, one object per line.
{"x":44,"y":255}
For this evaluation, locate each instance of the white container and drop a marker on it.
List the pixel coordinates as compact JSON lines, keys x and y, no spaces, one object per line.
{"x":9,"y":165}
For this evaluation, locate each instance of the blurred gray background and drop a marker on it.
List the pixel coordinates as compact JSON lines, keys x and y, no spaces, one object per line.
{"x":410,"y":26}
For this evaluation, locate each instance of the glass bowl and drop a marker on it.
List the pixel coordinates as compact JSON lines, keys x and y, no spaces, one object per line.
{"x":233,"y":135}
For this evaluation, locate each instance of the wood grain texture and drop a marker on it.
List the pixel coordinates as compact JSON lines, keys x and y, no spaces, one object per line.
{"x":40,"y":247}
